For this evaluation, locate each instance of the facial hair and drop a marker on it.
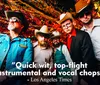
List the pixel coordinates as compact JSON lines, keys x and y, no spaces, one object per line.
{"x":10,"y":27}
{"x":57,"y":44}
{"x":43,"y":44}
{"x":89,"y":21}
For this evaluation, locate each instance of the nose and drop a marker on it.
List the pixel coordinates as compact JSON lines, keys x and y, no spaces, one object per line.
{"x":66,"y":26}
{"x":10,"y":22}
{"x":85,"y":15}
{"x":43,"y":38}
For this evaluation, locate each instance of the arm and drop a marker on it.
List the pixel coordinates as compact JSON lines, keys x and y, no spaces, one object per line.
{"x":88,"y":53}
{"x":66,"y":53}
{"x":27,"y":56}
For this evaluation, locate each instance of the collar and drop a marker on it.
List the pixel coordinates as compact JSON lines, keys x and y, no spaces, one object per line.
{"x":96,"y":23}
{"x":42,"y":48}
{"x":73,"y":33}
{"x":19,"y":38}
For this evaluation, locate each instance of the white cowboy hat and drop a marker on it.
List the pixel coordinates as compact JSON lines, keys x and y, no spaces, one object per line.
{"x":65,"y":16}
{"x":55,"y":34}
{"x":43,"y":30}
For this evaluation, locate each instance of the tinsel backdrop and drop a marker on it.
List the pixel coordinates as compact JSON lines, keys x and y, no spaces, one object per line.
{"x":39,"y":12}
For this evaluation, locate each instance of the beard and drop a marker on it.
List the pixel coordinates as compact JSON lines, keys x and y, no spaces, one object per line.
{"x":10,"y":27}
{"x":56,"y":44}
{"x":43,"y":44}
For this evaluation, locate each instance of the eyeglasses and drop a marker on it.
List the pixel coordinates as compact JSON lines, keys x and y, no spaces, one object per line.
{"x":85,"y":13}
{"x":66,"y":25}
{"x":14,"y":19}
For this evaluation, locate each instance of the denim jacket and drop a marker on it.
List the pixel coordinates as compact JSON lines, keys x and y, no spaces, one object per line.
{"x":16,"y":50}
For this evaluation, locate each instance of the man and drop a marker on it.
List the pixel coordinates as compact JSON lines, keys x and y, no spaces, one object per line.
{"x":90,"y":25}
{"x":15,"y":47}
{"x":79,"y":45}
{"x":62,"y":57}
{"x":43,"y":54}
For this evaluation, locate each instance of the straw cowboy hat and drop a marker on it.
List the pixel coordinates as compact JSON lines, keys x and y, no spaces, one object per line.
{"x":81,"y":4}
{"x":65,"y":16}
{"x":43,"y":30}
{"x":19,"y":15}
{"x":55,"y":34}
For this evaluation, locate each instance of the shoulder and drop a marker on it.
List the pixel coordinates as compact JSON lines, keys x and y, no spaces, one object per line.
{"x":35,"y":44}
{"x":4,"y":36}
{"x":81,"y":35}
{"x":25,"y":39}
{"x":64,"y":46}
{"x":96,"y":22}
{"x":81,"y":32}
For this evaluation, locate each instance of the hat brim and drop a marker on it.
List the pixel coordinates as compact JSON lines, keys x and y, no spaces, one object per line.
{"x":10,"y":14}
{"x":39,"y":32}
{"x":81,"y":5}
{"x":55,"y":37}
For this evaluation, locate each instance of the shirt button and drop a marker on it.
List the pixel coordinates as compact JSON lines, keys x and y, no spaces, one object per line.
{"x":4,"y":50}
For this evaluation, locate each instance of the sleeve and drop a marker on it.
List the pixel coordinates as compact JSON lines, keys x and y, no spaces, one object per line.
{"x":66,"y":53}
{"x":87,"y":52}
{"x":27,"y":57}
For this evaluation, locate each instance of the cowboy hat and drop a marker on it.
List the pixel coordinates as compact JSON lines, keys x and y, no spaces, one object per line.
{"x":43,"y":30}
{"x":81,"y":4}
{"x":19,"y":15}
{"x":65,"y":16}
{"x":55,"y":34}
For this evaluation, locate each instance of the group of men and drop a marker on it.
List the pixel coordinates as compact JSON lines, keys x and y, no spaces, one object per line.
{"x":80,"y":46}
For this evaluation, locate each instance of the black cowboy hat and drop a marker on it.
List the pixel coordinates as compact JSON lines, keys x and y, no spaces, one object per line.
{"x":20,"y":16}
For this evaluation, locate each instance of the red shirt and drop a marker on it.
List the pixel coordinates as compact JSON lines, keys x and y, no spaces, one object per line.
{"x":69,"y":38}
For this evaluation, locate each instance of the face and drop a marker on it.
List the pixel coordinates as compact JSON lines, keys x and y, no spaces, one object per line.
{"x":42,"y":40}
{"x":56,"y":42}
{"x":15,"y":24}
{"x":85,"y":17}
{"x":67,"y":26}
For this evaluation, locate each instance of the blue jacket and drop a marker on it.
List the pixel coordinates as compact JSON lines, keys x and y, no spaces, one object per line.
{"x":18,"y":50}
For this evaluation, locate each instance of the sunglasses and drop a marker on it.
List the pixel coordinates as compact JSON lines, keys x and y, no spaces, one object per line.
{"x":14,"y":19}
{"x":84,"y":13}
{"x":44,"y":35}
{"x":66,"y":25}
